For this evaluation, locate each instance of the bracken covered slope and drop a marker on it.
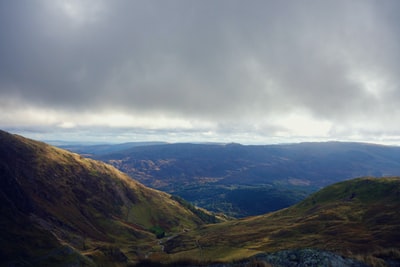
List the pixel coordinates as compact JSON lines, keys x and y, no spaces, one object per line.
{"x":58,"y":207}
{"x":357,"y":218}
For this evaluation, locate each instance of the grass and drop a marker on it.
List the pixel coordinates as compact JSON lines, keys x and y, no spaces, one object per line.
{"x":102,"y":214}
{"x":85,"y":204}
{"x":357,"y":217}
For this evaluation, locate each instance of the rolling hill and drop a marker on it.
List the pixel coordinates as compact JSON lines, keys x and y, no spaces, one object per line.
{"x":244,"y":180}
{"x":358,"y":218}
{"x":60,"y":208}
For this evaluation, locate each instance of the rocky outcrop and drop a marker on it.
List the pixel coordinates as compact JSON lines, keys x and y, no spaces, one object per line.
{"x":307,"y":258}
{"x":284,"y":258}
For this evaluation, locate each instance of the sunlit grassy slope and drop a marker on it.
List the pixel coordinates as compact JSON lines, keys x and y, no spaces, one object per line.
{"x":357,"y":218}
{"x":58,"y":207}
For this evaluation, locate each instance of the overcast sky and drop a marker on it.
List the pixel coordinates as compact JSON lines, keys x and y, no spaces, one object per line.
{"x":225,"y":70}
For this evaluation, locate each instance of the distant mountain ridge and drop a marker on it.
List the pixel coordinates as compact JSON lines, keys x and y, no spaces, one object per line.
{"x":245,"y":180}
{"x":97,"y":149}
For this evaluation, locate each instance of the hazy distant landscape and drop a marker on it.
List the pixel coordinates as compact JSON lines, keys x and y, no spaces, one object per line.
{"x":241,"y":180}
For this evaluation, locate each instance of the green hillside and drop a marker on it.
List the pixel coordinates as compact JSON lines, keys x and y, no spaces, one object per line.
{"x":59,"y":207}
{"x":357,"y":218}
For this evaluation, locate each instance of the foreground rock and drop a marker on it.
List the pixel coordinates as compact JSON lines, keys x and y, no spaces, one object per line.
{"x":307,"y":258}
{"x":285,"y":258}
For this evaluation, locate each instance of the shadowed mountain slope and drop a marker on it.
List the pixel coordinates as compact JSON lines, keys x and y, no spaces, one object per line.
{"x":356,"y":218}
{"x":58,"y":207}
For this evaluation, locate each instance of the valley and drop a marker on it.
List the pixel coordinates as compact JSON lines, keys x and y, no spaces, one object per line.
{"x":243,"y":180}
{"x":190,"y":133}
{"x":62,"y":209}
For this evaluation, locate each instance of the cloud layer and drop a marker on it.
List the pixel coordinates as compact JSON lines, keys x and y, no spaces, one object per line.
{"x":202,"y":69}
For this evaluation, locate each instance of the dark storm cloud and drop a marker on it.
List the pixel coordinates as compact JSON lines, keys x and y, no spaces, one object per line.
{"x":220,"y":61}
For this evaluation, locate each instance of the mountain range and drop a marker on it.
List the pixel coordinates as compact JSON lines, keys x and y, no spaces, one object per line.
{"x":242,"y":180}
{"x":61,"y":209}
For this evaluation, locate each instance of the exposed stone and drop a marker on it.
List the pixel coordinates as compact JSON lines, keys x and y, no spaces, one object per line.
{"x":295,"y":258}
{"x":307,"y":258}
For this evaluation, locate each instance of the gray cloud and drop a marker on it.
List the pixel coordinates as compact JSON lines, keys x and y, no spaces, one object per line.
{"x":233,"y":65}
